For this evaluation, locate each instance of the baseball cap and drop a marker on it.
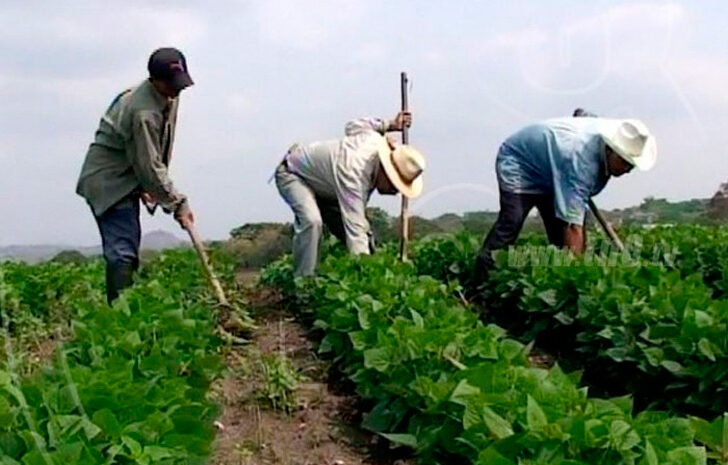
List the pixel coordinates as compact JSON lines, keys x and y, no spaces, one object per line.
{"x":168,"y":64}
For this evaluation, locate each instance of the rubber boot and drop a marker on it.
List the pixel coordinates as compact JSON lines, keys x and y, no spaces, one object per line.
{"x":474,"y":290}
{"x":119,"y":276}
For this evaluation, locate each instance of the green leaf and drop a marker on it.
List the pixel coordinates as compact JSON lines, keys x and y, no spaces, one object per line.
{"x":106,"y":420}
{"x":690,"y":455}
{"x":35,"y":457}
{"x":417,"y":319}
{"x":68,"y":453}
{"x":564,"y":318}
{"x":654,"y":355}
{"x":491,"y":456}
{"x":673,"y":366}
{"x":90,"y":429}
{"x":463,"y":392}
{"x":703,"y":319}
{"x":408,"y":440}
{"x":535,"y":417}
{"x":548,"y":296}
{"x":157,"y":453}
{"x":135,"y":449}
{"x":498,"y":426}
{"x":12,"y":444}
{"x":650,"y":454}
{"x":706,"y":348}
{"x":358,"y":340}
{"x":363,"y":316}
{"x":377,"y":359}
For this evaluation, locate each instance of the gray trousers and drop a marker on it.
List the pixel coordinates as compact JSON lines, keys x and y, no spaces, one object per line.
{"x":311,"y":214}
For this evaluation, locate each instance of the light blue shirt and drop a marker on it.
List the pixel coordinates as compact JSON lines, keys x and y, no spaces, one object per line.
{"x":563,"y":157}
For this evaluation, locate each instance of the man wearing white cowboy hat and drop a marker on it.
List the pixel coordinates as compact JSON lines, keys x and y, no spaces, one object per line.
{"x":556,"y":166}
{"x":330,"y":182}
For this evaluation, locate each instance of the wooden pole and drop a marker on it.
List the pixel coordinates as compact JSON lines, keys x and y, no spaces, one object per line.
{"x":606,"y":226}
{"x":404,"y":217}
{"x":200,"y":248}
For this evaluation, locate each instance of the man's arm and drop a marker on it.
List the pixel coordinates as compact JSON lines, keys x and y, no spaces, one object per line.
{"x":379,"y":125}
{"x":575,"y":238}
{"x":146,"y":160}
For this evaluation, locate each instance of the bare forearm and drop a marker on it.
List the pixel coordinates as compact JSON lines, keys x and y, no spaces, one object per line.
{"x":574,"y":238}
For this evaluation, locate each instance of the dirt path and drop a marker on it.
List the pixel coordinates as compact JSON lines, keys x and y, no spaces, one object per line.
{"x":320,"y":431}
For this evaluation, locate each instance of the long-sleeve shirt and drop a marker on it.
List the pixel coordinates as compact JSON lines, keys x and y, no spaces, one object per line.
{"x":131,"y":151}
{"x":563,"y":157}
{"x":346,"y":170}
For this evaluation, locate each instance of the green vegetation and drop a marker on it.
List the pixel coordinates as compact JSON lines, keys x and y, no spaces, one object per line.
{"x":460,"y":391}
{"x":280,"y":380}
{"x":657,"y":317}
{"x":131,"y":384}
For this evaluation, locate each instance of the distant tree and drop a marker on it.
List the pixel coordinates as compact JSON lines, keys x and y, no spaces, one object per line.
{"x":383,"y":226}
{"x":256,"y":244}
{"x":421,"y":227}
{"x":69,"y":256}
{"x":479,"y":222}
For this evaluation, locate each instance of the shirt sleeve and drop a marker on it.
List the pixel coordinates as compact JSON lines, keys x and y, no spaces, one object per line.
{"x":146,"y":159}
{"x":571,"y":194}
{"x":360,"y":125}
{"x":356,"y":225}
{"x":353,"y":195}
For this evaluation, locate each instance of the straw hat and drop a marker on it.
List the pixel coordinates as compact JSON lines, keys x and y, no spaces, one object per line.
{"x":631,"y":140}
{"x":404,"y":166}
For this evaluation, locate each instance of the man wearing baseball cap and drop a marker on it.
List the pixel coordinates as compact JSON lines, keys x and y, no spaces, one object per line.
{"x":556,"y":166}
{"x":127,"y":163}
{"x":330,"y":182}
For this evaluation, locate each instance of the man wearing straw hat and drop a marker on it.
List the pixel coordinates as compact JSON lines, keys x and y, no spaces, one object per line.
{"x":556,"y":166}
{"x":330,"y":182}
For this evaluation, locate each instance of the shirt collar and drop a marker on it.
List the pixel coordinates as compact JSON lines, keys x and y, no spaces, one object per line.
{"x":162,"y":101}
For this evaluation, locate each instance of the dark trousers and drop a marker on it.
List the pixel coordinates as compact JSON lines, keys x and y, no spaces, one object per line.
{"x":121,"y":233}
{"x":514,"y":208}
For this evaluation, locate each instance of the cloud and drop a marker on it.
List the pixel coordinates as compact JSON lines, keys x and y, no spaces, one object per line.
{"x":55,"y":42}
{"x":307,"y":25}
{"x":272,"y":72}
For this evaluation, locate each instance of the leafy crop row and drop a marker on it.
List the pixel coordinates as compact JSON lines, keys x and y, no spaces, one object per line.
{"x":36,"y":297}
{"x":633,"y":326}
{"x":690,"y":249}
{"x":130,"y":387}
{"x":459,"y":391}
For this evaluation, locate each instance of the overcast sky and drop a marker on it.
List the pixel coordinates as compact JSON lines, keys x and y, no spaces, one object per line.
{"x":271,"y":72}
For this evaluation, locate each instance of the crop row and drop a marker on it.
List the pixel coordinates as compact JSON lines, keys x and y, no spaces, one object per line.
{"x":131,"y":385}
{"x":458,"y":391}
{"x":633,"y":323}
{"x":35,"y":298}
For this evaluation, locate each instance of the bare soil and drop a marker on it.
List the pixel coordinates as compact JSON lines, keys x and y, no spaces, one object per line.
{"x":321,"y":431}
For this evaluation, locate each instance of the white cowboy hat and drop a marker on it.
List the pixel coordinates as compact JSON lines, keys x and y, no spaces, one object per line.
{"x":403,"y":166}
{"x":631,"y":140}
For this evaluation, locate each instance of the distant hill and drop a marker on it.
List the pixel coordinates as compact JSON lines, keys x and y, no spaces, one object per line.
{"x":160,"y":240}
{"x":650,"y":211}
{"x":154,"y":240}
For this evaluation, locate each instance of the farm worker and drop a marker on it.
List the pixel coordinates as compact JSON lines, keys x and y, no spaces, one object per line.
{"x":556,"y":166}
{"x":127,"y":163}
{"x":330,"y":182}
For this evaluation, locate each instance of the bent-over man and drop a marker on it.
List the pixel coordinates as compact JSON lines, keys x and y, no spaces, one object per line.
{"x":557,"y":165}
{"x":330,"y":182}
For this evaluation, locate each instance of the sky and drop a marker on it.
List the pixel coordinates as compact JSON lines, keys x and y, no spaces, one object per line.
{"x":272,"y":72}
